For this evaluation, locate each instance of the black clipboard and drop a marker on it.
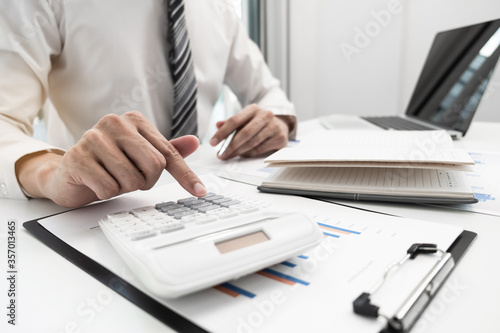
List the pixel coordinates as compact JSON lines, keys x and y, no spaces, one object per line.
{"x":161,"y":312}
{"x":414,"y":306}
{"x":113,"y":281}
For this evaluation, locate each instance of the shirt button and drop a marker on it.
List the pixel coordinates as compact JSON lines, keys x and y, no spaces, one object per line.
{"x":3,"y":190}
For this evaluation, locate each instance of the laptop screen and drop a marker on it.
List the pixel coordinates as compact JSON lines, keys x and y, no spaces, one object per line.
{"x":456,"y":75}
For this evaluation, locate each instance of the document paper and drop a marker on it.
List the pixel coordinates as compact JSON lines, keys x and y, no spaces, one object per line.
{"x":415,"y":149}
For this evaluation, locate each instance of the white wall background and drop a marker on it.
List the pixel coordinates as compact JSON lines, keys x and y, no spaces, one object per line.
{"x":379,"y":78}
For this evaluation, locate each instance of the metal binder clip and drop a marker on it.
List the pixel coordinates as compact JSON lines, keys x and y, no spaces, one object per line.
{"x":413,"y":306}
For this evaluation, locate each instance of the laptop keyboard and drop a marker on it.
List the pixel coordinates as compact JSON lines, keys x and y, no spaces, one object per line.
{"x":396,"y":123}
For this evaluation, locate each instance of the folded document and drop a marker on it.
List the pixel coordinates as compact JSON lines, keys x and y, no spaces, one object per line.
{"x":403,"y":166}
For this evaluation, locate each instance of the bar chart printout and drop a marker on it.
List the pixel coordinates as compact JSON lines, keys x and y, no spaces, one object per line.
{"x":320,"y":282}
{"x":284,"y":273}
{"x":318,"y":285}
{"x":485,"y":183}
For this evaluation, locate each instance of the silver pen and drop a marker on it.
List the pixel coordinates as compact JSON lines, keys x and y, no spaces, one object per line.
{"x":226,"y":143}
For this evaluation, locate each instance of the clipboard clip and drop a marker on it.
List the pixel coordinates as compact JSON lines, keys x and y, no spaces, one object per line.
{"x":414,"y":305}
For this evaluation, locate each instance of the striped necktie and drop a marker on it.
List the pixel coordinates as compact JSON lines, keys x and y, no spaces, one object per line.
{"x":184,"y":120}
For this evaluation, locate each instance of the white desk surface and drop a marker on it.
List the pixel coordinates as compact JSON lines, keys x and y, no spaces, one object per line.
{"x":56,"y":296}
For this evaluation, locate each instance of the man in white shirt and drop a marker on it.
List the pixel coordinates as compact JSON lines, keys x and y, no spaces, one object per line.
{"x":97,"y":61}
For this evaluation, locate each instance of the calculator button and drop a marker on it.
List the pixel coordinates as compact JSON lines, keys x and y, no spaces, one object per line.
{"x":238,"y":206}
{"x":170,"y":207}
{"x":133,"y":227}
{"x":230,"y":203}
{"x":212,"y":198}
{"x":141,"y":234}
{"x":119,"y":215}
{"x":123,"y":220}
{"x":191,"y":218}
{"x":206,"y":219}
{"x":248,"y":209}
{"x":178,"y":216}
{"x":227,"y":214}
{"x":208,"y":208}
{"x":173,"y":226}
{"x":172,"y":212}
{"x":216,"y":211}
{"x":144,"y":211}
{"x":157,"y":219}
{"x":130,"y":225}
{"x":168,"y":220}
{"x":201,"y":204}
{"x":221,"y":200}
{"x":159,"y":206}
{"x":183,"y":201}
{"x":193,"y":202}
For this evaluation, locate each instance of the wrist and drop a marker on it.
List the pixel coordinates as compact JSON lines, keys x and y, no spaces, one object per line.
{"x":34,"y":171}
{"x":291,"y":123}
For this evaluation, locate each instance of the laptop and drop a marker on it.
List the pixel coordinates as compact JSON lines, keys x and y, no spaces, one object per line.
{"x":452,"y":82}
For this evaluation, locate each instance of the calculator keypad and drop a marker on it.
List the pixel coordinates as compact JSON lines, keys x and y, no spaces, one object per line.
{"x":166,"y":217}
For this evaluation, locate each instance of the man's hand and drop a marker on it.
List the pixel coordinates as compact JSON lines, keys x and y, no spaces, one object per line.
{"x":259,"y":132}
{"x":119,"y":154}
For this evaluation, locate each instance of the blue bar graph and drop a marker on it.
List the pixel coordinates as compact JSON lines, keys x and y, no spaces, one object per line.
{"x":483,"y":197}
{"x":289,"y":264}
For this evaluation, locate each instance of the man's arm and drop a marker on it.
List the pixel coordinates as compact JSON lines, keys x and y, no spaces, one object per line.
{"x":268,"y":120}
{"x":25,"y":61}
{"x":119,"y":154}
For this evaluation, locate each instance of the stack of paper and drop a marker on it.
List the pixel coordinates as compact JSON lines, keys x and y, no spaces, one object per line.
{"x":408,"y":166}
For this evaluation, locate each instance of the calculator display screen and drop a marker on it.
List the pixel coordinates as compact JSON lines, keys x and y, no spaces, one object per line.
{"x":241,"y":242}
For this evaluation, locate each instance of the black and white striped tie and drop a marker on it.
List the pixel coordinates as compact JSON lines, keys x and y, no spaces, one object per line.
{"x":184,"y":120}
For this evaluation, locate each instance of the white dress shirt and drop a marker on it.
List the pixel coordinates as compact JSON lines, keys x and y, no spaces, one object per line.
{"x":95,"y":57}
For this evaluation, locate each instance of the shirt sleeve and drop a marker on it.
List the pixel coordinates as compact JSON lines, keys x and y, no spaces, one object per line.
{"x":249,"y":77}
{"x":29,"y":38}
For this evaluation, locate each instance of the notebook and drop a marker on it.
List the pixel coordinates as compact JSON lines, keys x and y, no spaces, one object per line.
{"x":452,"y":82}
{"x":396,"y":166}
{"x":397,"y":149}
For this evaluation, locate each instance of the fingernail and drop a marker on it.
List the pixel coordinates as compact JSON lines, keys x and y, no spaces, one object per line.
{"x":200,"y":190}
{"x":214,"y":142}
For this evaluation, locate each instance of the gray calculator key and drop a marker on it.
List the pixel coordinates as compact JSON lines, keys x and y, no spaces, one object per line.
{"x":201,"y":204}
{"x":221,"y":200}
{"x":212,"y":198}
{"x":208,"y":208}
{"x":164,"y":204}
{"x":170,"y":207}
{"x":230,"y":203}
{"x":193,"y":202}
{"x":172,"y":212}
{"x":183,"y":201}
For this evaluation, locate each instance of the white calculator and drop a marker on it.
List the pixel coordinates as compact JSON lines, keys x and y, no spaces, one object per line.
{"x":178,"y":247}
